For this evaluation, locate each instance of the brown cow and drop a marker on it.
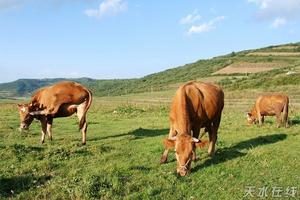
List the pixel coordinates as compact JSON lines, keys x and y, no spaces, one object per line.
{"x":195,"y":105}
{"x":269,"y":105}
{"x":60,"y":100}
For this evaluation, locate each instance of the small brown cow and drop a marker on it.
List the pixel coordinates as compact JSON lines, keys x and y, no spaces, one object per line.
{"x":269,"y":105}
{"x":59,"y":100}
{"x":195,"y":105}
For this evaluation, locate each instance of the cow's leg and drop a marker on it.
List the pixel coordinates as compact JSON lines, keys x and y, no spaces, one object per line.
{"x":278,"y":119}
{"x":258,"y":115}
{"x":164,"y":157}
{"x":81,"y":117}
{"x":44,"y":129}
{"x":49,"y":127}
{"x":262,"y":119}
{"x":213,"y":135}
{"x":286,"y":123}
{"x":285,"y":113}
{"x":196,"y":132}
{"x":212,"y":139}
{"x":83,"y":130}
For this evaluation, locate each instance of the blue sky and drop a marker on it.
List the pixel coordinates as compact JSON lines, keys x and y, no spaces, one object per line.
{"x":132,"y":38}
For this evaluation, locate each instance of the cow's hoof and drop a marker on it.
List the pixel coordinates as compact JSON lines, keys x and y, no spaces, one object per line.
{"x":211,"y":154}
{"x":196,"y":159}
{"x":163,"y":160}
{"x":84,"y":143}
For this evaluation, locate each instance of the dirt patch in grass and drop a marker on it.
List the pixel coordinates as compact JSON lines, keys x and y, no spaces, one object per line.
{"x":247,"y":67}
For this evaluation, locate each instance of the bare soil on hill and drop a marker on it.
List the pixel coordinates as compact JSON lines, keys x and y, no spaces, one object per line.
{"x":274,"y":54}
{"x":247,"y":67}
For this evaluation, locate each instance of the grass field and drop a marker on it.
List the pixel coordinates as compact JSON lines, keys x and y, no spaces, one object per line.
{"x":124,"y":146}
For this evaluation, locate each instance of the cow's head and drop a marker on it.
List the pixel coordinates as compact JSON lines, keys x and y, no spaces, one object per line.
{"x":184,"y":150}
{"x":25,"y":117}
{"x":251,"y":118}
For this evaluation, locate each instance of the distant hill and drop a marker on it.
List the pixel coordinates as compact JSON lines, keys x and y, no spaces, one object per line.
{"x":264,"y":67}
{"x":25,"y":87}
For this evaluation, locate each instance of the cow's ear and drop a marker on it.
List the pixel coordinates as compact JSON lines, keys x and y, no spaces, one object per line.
{"x":169,"y":143}
{"x":201,"y":144}
{"x":21,"y":107}
{"x":249,"y":114}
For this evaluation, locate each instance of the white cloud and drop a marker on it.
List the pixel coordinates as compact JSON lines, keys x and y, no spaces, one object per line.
{"x":278,"y":22}
{"x":107,"y":8}
{"x":279,"y":12}
{"x":205,"y":27}
{"x":276,"y":4}
{"x":201,"y":28}
{"x":190,"y":18}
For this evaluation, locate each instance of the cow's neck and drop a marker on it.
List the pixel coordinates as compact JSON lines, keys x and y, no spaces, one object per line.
{"x":183,"y":125}
{"x":185,"y":131}
{"x":253,"y":112}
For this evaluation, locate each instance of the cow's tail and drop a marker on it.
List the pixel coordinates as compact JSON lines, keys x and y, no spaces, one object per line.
{"x":286,"y":112}
{"x":83,"y":118}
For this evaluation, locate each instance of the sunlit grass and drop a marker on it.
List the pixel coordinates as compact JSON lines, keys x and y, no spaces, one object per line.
{"x":124,"y":146}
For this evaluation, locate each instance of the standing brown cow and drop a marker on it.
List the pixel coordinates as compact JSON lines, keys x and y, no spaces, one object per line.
{"x":270,"y":105}
{"x":60,"y":100}
{"x":195,"y":105}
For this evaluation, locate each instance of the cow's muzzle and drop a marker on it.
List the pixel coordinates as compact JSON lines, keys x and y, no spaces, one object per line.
{"x":23,"y":127}
{"x":182,"y":172}
{"x":184,"y":169}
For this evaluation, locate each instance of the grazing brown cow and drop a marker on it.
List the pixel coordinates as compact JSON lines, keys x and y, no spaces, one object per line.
{"x":195,"y":105}
{"x":269,"y":105}
{"x":60,"y":100}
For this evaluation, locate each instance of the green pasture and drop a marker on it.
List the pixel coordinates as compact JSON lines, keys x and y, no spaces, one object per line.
{"x":124,"y":146}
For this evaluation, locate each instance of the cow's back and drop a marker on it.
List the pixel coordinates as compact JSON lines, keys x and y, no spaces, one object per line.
{"x":271,"y":104}
{"x":213,"y":100}
{"x":61,"y":93}
{"x":68,"y":91}
{"x":196,"y":103}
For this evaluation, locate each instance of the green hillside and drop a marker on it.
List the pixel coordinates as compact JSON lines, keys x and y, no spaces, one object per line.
{"x":263,"y":67}
{"x":25,"y":87}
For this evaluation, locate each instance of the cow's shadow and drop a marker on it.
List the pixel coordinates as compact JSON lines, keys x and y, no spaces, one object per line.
{"x":135,"y":134}
{"x":9,"y":187}
{"x":294,"y":121}
{"x":229,"y":153}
